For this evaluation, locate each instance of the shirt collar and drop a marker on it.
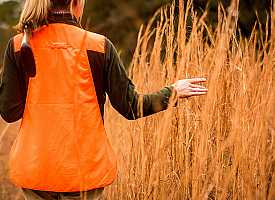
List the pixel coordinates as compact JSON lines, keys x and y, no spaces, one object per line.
{"x":62,"y":17}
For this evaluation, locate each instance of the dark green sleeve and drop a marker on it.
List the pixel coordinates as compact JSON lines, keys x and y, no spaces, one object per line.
{"x":12,"y":88}
{"x":121,"y":91}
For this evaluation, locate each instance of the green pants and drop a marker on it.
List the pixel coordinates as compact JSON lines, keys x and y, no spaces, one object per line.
{"x":42,"y":195}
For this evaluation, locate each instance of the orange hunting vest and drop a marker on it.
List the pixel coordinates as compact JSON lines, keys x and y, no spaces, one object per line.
{"x":62,"y":145}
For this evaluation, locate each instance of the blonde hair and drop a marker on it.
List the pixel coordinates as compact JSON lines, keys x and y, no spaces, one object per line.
{"x":36,"y":12}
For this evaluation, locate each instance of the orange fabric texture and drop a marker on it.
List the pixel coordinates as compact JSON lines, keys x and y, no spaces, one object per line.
{"x":62,"y":145}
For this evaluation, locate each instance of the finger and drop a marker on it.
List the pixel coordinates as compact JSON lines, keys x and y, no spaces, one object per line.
{"x":199,"y":90}
{"x":197,"y":86}
{"x":197,"y":93}
{"x":191,"y":94}
{"x":196,"y":80}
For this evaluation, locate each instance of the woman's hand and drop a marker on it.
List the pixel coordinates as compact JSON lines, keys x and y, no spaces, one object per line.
{"x":189,"y":87}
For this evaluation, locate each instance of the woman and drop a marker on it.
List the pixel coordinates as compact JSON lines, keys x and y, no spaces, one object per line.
{"x":62,"y":149}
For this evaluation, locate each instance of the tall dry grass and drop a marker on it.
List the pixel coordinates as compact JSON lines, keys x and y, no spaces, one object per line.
{"x":220,"y":146}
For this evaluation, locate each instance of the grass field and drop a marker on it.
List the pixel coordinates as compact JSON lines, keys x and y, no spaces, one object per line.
{"x":220,"y":146}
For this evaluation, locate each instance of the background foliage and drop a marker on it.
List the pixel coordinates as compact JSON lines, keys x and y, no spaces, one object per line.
{"x":120,"y":20}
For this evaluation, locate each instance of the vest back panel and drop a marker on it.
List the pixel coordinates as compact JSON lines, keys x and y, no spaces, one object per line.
{"x":62,"y":145}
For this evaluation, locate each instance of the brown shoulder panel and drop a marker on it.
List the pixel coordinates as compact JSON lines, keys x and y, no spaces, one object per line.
{"x":17,"y":40}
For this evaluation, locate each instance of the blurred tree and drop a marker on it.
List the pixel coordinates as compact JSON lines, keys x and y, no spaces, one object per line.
{"x":250,"y":12}
{"x":120,"y":20}
{"x":8,"y":17}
